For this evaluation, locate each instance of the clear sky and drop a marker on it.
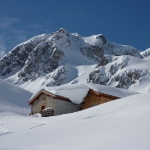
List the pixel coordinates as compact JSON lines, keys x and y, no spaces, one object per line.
{"x":120,"y":21}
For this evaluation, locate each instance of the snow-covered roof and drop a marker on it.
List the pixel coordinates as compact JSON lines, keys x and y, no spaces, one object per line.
{"x":118,"y":92}
{"x":77,"y":92}
{"x":74,"y":92}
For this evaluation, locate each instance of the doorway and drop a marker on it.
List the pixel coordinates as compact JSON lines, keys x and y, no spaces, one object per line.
{"x":42,"y":107}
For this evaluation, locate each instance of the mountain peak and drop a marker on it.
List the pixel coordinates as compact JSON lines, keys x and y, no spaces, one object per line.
{"x":45,"y":56}
{"x":62,"y":30}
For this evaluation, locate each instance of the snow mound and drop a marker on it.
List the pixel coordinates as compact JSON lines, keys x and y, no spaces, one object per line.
{"x":118,"y":92}
{"x":142,"y":86}
{"x":13,"y":99}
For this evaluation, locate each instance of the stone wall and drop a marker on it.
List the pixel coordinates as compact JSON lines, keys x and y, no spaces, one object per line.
{"x":64,"y":107}
{"x":43,"y":100}
{"x":59,"y":106}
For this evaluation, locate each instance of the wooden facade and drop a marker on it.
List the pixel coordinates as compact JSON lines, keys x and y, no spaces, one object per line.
{"x":94,"y":98}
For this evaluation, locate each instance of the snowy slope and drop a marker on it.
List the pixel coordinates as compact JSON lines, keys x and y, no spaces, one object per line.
{"x":120,"y":125}
{"x":142,"y":86}
{"x":13,"y":98}
{"x":122,"y":72}
{"x":64,"y":74}
{"x":145,"y":53}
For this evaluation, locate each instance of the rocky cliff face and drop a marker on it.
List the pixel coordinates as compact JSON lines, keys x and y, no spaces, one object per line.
{"x":145,"y":53}
{"x":46,"y":56}
{"x":101,"y":47}
{"x":121,"y":72}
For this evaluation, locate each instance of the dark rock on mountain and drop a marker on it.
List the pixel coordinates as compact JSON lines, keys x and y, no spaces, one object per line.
{"x":46,"y":55}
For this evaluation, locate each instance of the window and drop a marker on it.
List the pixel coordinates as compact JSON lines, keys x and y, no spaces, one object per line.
{"x":44,"y":97}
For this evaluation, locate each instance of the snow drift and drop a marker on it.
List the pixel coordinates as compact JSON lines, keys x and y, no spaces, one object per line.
{"x":13,"y":99}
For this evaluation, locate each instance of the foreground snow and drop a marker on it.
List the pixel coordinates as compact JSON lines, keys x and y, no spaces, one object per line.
{"x":119,"y":125}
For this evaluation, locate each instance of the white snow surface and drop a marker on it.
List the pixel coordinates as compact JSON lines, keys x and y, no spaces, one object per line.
{"x":119,"y":125}
{"x":80,"y":73}
{"x":122,"y":124}
{"x":13,"y":98}
{"x":92,"y":40}
{"x":75,"y":74}
{"x":142,"y":86}
{"x":145,"y":53}
{"x":77,"y":92}
{"x":118,"y":92}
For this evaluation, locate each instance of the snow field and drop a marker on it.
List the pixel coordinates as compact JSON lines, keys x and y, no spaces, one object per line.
{"x":121,"y":124}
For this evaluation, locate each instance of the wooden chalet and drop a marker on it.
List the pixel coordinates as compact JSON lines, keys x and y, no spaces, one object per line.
{"x":61,"y":105}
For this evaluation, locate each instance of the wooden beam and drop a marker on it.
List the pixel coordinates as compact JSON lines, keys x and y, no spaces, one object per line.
{"x":49,"y":94}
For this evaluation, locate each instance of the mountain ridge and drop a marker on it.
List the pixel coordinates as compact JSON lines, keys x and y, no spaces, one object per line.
{"x":54,"y":59}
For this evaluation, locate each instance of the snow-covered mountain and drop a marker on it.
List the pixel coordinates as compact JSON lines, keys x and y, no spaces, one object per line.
{"x":122,"y":72}
{"x":145,"y":53}
{"x":63,"y":57}
{"x":60,"y":58}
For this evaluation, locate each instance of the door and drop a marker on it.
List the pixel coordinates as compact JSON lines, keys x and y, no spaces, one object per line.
{"x":42,"y":107}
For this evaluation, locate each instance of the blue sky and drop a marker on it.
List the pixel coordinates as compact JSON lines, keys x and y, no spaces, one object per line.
{"x":120,"y":21}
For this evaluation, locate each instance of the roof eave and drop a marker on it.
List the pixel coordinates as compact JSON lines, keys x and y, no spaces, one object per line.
{"x":99,"y":93}
{"x":48,"y":93}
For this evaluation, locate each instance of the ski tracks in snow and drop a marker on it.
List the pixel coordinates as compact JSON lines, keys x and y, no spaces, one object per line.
{"x":4,"y":131}
{"x":41,"y":124}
